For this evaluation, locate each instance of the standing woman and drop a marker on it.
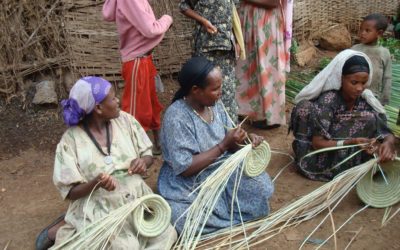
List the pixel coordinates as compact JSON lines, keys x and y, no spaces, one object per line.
{"x":267,"y":31}
{"x":214,"y":39}
{"x":139,"y":33}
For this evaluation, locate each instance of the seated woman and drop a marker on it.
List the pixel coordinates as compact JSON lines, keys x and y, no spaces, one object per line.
{"x":107,"y":150}
{"x":195,"y":135}
{"x":336,"y":109}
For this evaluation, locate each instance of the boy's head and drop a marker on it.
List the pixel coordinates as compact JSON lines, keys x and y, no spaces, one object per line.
{"x":372,"y":27}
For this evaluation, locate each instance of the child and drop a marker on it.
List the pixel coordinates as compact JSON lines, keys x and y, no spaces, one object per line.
{"x":139,"y":32}
{"x":372,"y":28}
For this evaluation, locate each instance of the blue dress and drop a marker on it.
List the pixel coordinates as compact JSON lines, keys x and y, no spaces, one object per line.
{"x":184,"y":134}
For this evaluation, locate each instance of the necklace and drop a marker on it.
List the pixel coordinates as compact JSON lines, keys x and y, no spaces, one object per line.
{"x":107,"y":159}
{"x":194,"y":111}
{"x":204,"y":120}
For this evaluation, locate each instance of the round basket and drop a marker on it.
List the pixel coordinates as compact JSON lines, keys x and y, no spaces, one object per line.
{"x":257,"y":160}
{"x":374,"y":191}
{"x":152,"y":216}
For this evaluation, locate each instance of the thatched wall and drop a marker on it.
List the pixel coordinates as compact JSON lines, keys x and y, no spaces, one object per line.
{"x":49,"y":34}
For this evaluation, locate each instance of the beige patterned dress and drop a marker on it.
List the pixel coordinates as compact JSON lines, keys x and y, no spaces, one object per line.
{"x":78,"y":160}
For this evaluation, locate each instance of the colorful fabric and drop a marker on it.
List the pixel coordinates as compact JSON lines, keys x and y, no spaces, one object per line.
{"x":84,"y":95}
{"x":262,"y":76}
{"x":330,"y":78}
{"x":183,"y":135}
{"x":139,"y":97}
{"x":382,"y":70}
{"x":329,"y":117}
{"x":139,"y":30}
{"x":78,"y":161}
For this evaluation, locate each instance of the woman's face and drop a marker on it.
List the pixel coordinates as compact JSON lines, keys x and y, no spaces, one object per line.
{"x":213,"y":91}
{"x":109,"y":107}
{"x":353,"y":85}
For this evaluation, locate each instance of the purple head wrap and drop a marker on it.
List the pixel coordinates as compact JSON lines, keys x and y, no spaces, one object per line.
{"x":83,"y":97}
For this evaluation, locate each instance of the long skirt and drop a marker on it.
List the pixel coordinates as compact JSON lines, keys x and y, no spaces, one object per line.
{"x":262,"y":75}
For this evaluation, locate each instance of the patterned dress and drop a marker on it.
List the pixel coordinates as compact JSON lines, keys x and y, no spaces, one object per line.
{"x":184,"y":134}
{"x":79,"y":161}
{"x":262,"y":75}
{"x":218,"y":48}
{"x":329,"y":117}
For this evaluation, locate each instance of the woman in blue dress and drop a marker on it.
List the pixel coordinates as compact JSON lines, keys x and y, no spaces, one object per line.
{"x":196,"y":134}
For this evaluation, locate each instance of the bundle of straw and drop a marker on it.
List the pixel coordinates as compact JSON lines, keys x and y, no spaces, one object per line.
{"x":151,"y":217}
{"x":211,"y":189}
{"x":326,"y":197}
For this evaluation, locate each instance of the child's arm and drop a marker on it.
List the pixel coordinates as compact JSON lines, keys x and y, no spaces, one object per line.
{"x":387,"y":81}
{"x":144,"y":21}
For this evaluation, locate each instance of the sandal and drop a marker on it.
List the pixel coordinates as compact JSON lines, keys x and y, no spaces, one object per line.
{"x":42,"y":241}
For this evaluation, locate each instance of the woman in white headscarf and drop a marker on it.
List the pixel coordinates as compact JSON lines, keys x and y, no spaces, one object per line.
{"x":336,"y":109}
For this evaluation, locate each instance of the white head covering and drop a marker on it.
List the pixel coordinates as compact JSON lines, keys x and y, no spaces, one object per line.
{"x":330,"y":78}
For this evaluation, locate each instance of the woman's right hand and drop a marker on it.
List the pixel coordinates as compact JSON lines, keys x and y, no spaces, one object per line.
{"x":233,"y":138}
{"x":106,"y":181}
{"x":209,"y":27}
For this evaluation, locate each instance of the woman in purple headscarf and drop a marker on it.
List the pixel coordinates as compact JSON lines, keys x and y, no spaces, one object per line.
{"x":107,"y":150}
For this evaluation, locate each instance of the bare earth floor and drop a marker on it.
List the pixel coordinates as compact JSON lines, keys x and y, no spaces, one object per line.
{"x":29,"y":200}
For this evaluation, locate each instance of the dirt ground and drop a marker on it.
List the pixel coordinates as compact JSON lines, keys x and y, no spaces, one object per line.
{"x":29,"y":200}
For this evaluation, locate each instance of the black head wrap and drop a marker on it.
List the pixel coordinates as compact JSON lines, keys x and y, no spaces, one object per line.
{"x":355,"y":64}
{"x":193,"y":72}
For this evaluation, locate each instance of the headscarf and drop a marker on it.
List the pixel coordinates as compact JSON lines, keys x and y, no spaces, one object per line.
{"x":193,"y":72}
{"x":355,"y":64}
{"x":330,"y":78}
{"x":86,"y":93}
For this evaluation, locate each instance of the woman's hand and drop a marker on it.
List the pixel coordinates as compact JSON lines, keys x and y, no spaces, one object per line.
{"x":255,"y":139}
{"x":233,"y":138}
{"x":106,"y":181}
{"x":209,"y":27}
{"x":138,"y":166}
{"x":386,"y":150}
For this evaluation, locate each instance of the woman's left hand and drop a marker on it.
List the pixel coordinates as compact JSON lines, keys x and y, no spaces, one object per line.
{"x":386,"y":151}
{"x":255,"y":139}
{"x":138,"y":166}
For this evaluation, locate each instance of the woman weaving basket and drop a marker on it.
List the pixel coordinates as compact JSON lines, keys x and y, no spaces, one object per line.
{"x":195,"y":135}
{"x":105,"y":150}
{"x":336,"y":109}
